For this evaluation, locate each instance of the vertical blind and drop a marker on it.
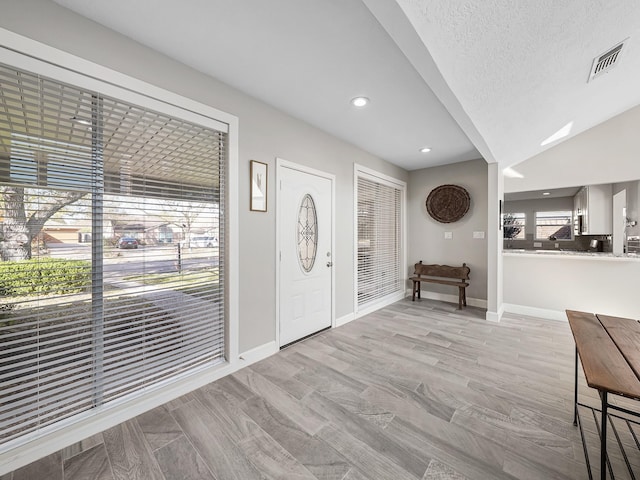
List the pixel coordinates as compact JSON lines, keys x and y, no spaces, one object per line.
{"x":379,"y":220}
{"x":111,"y":242}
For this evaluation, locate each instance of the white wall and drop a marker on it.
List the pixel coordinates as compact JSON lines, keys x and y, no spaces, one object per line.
{"x":495,"y":279}
{"x":426,"y":240}
{"x":265,"y":133}
{"x":606,"y":153}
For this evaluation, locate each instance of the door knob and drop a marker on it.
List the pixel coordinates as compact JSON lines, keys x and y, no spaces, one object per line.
{"x":329,"y":264}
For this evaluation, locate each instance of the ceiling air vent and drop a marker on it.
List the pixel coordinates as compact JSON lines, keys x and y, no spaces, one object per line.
{"x":606,"y":61}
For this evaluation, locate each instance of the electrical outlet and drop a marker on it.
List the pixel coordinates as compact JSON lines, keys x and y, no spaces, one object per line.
{"x":537,"y":244}
{"x":448,"y":235}
{"x":557,"y":245}
{"x":478,"y":234}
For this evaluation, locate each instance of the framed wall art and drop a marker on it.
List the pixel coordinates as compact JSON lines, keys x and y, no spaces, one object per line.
{"x":258,"y":200}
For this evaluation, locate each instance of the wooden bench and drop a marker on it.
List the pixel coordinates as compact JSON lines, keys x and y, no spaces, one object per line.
{"x":442,"y":274}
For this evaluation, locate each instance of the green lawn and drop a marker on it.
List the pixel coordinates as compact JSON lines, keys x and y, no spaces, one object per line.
{"x":198,"y":283}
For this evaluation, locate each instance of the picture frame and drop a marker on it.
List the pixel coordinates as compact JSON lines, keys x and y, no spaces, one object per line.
{"x":259,"y":183}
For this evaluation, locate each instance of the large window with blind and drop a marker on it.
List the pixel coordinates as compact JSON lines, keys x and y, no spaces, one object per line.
{"x":380,"y":240}
{"x":556,"y":225}
{"x":112,"y":234}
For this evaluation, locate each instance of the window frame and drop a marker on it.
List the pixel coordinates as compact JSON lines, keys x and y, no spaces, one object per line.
{"x":377,"y":177}
{"x":524,"y":226}
{"x":570,"y":224}
{"x":26,"y":54}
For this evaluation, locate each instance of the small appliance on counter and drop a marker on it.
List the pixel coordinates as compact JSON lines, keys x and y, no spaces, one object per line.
{"x":595,"y":245}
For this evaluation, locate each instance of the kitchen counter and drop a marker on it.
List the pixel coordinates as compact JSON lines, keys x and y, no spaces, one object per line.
{"x":571,"y":254}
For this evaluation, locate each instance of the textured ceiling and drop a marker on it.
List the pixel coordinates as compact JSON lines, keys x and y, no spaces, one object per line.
{"x":490,"y":76}
{"x":520,"y":69}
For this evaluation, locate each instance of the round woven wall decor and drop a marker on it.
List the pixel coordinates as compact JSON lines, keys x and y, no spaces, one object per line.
{"x":448,"y":203}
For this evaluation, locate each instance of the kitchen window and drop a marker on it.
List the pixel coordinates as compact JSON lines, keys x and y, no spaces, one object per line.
{"x":513,"y":226}
{"x":554,"y":225}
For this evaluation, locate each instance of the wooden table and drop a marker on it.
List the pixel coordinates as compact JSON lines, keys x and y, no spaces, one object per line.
{"x":609,"y":350}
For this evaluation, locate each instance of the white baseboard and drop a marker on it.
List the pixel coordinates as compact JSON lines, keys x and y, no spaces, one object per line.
{"x":256,"y":354}
{"x":495,"y":316}
{"x":345,"y":319}
{"x":535,"y":312}
{"x":444,"y":297}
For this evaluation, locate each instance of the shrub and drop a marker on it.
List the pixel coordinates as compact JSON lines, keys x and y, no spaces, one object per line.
{"x":5,"y":308}
{"x":49,"y":276}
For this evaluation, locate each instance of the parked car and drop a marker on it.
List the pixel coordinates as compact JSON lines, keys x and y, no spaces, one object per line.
{"x":204,"y":241}
{"x":127,"y":242}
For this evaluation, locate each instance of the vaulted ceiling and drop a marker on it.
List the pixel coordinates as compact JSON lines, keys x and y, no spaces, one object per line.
{"x":468,"y":78}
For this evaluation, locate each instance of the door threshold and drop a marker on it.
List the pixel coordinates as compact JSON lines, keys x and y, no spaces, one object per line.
{"x":305,"y":337}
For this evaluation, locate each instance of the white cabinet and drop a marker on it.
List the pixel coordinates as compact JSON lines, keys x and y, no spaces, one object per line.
{"x":592,"y":209}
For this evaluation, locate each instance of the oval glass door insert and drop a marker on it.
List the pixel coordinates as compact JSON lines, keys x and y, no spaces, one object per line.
{"x":307,"y":233}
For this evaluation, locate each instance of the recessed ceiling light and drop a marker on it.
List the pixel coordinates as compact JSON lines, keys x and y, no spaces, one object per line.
{"x":359,"y":101}
{"x":425,"y":149}
{"x":546,"y":193}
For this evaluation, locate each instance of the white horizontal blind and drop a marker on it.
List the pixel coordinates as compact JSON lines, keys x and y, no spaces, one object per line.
{"x":555,"y":225}
{"x":379,"y":211}
{"x":111,"y":244}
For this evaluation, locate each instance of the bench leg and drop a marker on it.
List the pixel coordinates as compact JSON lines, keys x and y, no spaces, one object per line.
{"x":413,"y":290}
{"x":460,"y":294}
{"x":464,"y":296}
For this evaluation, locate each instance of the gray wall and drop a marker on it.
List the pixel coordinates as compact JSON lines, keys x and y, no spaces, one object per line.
{"x":530,"y":207}
{"x":537,"y":205}
{"x":426,"y":236}
{"x":265,"y":133}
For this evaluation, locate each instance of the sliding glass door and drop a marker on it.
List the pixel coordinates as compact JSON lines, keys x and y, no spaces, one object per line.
{"x":112,"y":267}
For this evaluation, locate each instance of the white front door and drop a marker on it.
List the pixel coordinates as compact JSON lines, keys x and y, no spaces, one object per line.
{"x":305,"y":240}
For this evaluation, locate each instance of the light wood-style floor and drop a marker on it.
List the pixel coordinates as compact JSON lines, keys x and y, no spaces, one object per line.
{"x":417,"y":390}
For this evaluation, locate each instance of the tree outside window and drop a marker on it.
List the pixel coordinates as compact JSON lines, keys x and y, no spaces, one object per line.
{"x":513,"y":226}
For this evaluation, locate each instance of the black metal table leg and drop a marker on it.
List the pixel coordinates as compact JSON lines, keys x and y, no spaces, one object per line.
{"x":575,"y":392}
{"x":603,"y":437}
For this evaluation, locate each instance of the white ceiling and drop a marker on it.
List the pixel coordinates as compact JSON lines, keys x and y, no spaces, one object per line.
{"x":471,"y":78}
